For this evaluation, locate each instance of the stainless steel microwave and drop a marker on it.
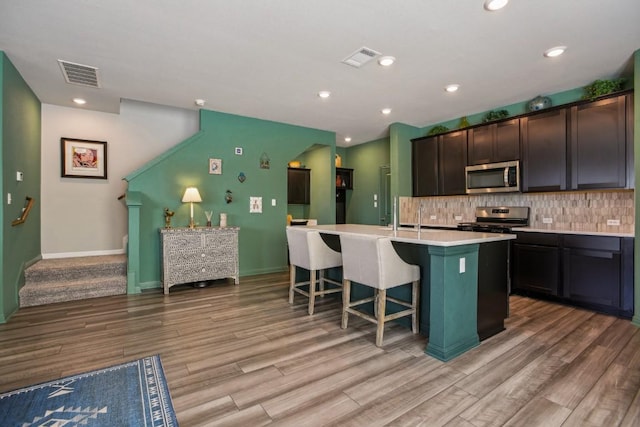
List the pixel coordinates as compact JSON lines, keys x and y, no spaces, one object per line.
{"x":493,"y":177}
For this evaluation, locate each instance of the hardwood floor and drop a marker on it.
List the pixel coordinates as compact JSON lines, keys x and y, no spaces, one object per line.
{"x":243,"y":356}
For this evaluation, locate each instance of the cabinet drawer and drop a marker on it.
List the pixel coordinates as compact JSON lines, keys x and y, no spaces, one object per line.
{"x":545,"y":239}
{"x":602,"y":243}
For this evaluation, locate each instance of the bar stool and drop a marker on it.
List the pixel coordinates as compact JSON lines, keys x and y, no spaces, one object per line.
{"x":372,"y":261}
{"x":307,"y":250}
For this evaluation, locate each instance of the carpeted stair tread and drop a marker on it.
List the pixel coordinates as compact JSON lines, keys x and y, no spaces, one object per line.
{"x":69,"y":279}
{"x":59,"y":291}
{"x":47,"y":270}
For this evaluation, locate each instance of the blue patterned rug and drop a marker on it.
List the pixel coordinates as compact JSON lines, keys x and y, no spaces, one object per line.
{"x":133,"y":394}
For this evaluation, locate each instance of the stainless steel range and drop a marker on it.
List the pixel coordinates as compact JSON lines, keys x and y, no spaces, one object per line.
{"x":497,"y":219}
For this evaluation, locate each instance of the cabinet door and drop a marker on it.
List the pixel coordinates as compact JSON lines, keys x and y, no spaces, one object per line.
{"x":298,"y":186}
{"x":592,"y":276}
{"x":424,"y":166}
{"x":481,"y":144}
{"x":535,"y":268}
{"x":507,"y":141}
{"x":544,"y":151}
{"x":452,"y":161}
{"x":598,"y":144}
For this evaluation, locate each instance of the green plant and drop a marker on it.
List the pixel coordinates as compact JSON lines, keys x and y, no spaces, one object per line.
{"x":437,"y":129}
{"x":495,"y":115}
{"x":602,"y":87}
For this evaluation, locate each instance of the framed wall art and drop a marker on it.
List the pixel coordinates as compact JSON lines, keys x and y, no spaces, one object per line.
{"x":215,"y":166}
{"x":83,"y":158}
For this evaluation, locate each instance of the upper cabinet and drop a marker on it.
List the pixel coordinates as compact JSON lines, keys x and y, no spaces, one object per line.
{"x":598,"y":143}
{"x":544,"y":151}
{"x":438,"y":164}
{"x":298,"y":186}
{"x":344,"y":178}
{"x":493,"y":143}
{"x":580,"y":146}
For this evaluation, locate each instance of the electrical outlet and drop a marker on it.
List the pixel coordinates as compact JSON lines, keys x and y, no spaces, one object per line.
{"x":613,"y":222}
{"x":273,"y":202}
{"x":19,"y":176}
{"x":433,"y":217}
{"x":547,"y":220}
{"x":375,"y":197}
{"x":375,"y":204}
{"x":457,"y":217}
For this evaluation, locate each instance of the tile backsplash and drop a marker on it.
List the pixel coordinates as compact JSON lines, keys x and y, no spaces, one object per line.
{"x":577,"y":211}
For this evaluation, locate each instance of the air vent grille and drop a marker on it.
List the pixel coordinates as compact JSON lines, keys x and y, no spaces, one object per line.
{"x":78,"y":74}
{"x":360,"y":57}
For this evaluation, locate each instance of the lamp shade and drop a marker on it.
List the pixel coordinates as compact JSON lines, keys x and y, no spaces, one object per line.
{"x":191,"y":194}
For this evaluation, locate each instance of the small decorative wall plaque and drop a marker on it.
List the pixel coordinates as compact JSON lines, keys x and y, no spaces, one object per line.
{"x":265,"y":162}
{"x":215,"y":166}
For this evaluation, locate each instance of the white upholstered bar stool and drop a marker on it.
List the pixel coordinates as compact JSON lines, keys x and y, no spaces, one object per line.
{"x":307,"y":250}
{"x":373,"y":261}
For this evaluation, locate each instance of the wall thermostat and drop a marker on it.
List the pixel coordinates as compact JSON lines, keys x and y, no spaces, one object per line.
{"x":239,"y":151}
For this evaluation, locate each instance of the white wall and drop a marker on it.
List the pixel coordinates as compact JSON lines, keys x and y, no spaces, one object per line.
{"x":84,"y":216}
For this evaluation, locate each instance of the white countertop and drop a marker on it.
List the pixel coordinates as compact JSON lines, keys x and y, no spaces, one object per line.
{"x":426,"y":236}
{"x":538,"y":230}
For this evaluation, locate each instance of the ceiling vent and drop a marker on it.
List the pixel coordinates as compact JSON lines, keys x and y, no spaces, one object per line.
{"x":78,"y":74}
{"x":360,"y":57}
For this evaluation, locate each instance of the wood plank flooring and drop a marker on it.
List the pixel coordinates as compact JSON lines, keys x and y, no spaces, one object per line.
{"x":242,"y":356}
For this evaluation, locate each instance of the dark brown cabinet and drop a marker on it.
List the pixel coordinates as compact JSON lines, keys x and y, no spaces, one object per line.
{"x":495,"y":142}
{"x":344,"y":178}
{"x":598,"y":272}
{"x":590,"y":271}
{"x":599,"y":144}
{"x":535,"y":263}
{"x":544,"y":151}
{"x":424,"y":161}
{"x":344,"y":182}
{"x":438,"y":164}
{"x":298,"y":186}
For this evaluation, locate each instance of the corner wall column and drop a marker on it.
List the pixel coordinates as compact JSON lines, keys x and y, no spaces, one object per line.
{"x":134,"y":202}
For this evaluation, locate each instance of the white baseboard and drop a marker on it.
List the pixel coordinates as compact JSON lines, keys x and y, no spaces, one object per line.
{"x":79,"y":254}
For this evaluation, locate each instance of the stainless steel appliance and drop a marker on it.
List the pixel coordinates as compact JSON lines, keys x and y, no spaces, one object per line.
{"x":493,"y":177}
{"x":497,"y":219}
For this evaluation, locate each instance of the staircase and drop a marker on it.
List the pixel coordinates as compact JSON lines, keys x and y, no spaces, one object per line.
{"x":68,"y":279}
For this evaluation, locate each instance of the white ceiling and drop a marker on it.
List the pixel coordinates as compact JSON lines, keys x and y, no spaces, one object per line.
{"x":269,"y":58}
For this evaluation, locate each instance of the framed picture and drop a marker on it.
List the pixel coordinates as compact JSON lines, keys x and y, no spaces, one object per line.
{"x":83,"y":158}
{"x":215,"y":166}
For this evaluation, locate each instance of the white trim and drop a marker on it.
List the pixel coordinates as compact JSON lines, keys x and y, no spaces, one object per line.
{"x":80,"y":254}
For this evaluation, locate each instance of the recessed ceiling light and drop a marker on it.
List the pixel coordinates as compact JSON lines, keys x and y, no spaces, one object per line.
{"x":347,"y":139}
{"x":492,"y":5}
{"x":79,"y":101}
{"x":324,"y":94}
{"x":386,"y":111}
{"x":555,"y":51}
{"x":200,"y":102}
{"x":452,"y":88}
{"x":386,"y":61}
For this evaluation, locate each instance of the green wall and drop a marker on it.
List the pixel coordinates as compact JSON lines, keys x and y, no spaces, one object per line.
{"x":20,"y":151}
{"x":262,"y":246}
{"x":366,"y":160}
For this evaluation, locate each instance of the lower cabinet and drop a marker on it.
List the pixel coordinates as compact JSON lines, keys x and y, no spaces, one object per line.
{"x":594,"y":272}
{"x":536,"y":263}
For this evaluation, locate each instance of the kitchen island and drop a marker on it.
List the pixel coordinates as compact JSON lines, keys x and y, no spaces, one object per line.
{"x":451,"y":263}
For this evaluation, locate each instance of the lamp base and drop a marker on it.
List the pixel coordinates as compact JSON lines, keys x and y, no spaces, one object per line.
{"x":192,"y":224}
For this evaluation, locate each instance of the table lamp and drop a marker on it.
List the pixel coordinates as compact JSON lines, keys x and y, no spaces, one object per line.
{"x":191,"y":195}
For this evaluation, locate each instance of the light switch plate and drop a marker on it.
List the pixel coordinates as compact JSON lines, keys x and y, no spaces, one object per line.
{"x":255,"y":204}
{"x":19,"y":176}
{"x":547,"y":220}
{"x":273,"y":202}
{"x":613,"y":222}
{"x":433,"y":217}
